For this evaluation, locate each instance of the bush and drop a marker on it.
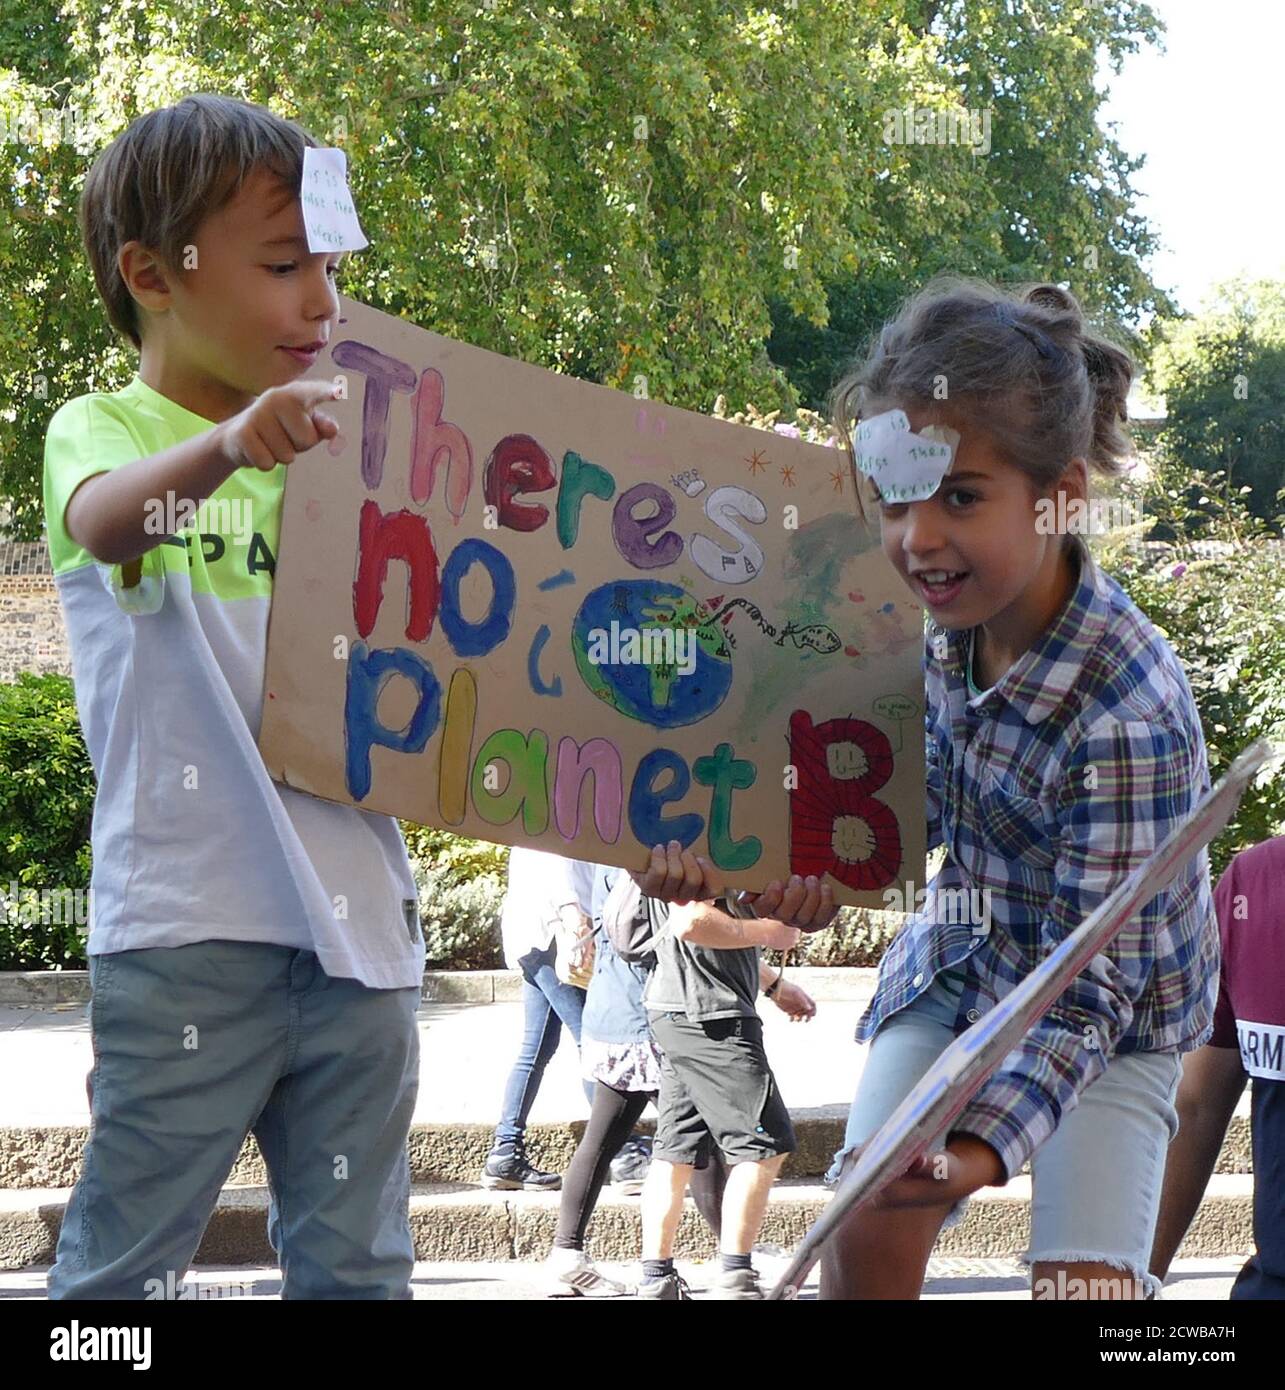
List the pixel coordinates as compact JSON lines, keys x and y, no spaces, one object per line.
{"x":859,"y":936}
{"x":46,"y":806}
{"x":1215,"y":587}
{"x":461,"y":889}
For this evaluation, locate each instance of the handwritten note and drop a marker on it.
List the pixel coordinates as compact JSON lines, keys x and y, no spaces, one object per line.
{"x":329,"y":215}
{"x":905,"y":467}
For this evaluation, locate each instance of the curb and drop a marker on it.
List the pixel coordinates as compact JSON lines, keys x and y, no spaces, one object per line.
{"x":49,"y":1157}
{"x":456,"y":1224}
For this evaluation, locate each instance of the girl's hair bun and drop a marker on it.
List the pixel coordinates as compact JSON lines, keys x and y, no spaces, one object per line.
{"x":1056,"y":299}
{"x":1022,"y":364}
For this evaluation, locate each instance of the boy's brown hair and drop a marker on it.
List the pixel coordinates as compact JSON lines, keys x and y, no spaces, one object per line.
{"x":166,"y":173}
{"x":1022,"y":367}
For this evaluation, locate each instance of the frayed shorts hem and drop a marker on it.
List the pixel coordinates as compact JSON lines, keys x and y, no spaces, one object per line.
{"x":1150,"y":1285}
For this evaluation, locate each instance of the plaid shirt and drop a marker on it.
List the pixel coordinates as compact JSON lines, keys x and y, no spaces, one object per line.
{"x":1047,"y":790}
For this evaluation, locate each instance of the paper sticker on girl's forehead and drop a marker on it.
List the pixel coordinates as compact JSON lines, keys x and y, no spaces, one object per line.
{"x":904,"y":466}
{"x":329,"y":216}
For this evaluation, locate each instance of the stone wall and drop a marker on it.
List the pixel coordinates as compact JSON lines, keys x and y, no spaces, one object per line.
{"x":32,"y":634}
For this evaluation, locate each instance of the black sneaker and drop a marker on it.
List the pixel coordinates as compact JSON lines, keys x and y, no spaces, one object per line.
{"x":630,"y":1165}
{"x":670,"y":1289}
{"x":507,"y":1170}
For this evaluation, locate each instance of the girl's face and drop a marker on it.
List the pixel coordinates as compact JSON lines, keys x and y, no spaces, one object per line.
{"x":978,"y":549}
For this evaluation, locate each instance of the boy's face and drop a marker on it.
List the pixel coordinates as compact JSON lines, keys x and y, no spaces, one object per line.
{"x":257,"y":307}
{"x":979,"y":527}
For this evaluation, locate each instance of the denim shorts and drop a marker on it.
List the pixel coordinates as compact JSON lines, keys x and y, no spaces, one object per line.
{"x":196,"y":1045}
{"x":1095,"y":1182}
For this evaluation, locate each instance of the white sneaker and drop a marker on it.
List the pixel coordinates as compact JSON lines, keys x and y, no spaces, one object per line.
{"x":771,"y":1262}
{"x":572,"y":1271}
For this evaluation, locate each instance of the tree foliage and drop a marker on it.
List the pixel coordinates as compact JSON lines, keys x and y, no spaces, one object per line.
{"x":635,"y":194}
{"x":1222,"y":375}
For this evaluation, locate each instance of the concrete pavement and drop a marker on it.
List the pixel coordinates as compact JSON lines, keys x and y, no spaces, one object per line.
{"x":1205,"y":1280}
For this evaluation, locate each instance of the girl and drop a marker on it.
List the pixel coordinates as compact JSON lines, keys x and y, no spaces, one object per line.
{"x":1063,"y":744}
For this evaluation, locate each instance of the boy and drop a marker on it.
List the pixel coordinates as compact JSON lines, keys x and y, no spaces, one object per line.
{"x":255,"y":957}
{"x":715,"y":1082}
{"x":1248,"y":1040}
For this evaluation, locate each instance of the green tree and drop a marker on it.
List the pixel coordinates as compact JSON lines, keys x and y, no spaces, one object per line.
{"x":1050,"y":199}
{"x":1222,"y":376}
{"x":609,"y":188}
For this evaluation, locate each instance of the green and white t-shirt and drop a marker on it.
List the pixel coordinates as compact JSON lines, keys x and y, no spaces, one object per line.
{"x":192,"y":839}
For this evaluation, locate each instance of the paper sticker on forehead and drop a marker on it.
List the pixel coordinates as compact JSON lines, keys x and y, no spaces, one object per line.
{"x":329,"y":215}
{"x":903,"y":465}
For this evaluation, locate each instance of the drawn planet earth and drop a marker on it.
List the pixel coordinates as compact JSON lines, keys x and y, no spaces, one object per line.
{"x":693,"y":674}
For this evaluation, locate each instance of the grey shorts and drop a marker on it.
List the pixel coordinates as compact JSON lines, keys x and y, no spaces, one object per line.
{"x":716,"y":1088}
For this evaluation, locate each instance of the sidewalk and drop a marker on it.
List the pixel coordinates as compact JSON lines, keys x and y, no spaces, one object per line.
{"x":466,"y":1053}
{"x":1205,"y":1280}
{"x":458,"y":1228}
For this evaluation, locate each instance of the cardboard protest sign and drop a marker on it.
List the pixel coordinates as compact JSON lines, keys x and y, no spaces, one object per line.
{"x":534,"y":610}
{"x":946,"y":1088}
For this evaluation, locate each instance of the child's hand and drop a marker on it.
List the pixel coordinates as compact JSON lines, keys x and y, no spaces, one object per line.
{"x":778,"y":936}
{"x":675,"y":875}
{"x":796,"y":1002}
{"x":956,"y":1171}
{"x":282,"y":423}
{"x":801,"y":903}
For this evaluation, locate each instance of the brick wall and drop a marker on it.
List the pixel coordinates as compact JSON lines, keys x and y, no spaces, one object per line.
{"x":32,"y":635}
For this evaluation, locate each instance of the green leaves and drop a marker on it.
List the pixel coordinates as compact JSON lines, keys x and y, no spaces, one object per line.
{"x":1212,"y":578}
{"x":1222,"y":376}
{"x":46,"y":803}
{"x":729,"y":165}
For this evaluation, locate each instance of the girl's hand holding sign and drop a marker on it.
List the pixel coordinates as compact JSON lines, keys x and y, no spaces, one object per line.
{"x":677,"y":875}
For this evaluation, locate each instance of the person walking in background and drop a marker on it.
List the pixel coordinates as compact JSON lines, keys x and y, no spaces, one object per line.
{"x":621,"y":1059}
{"x":716,"y":1086}
{"x":1248,"y":1040}
{"x":545,"y":891}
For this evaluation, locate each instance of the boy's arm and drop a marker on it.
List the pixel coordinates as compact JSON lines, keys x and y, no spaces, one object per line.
{"x":1212,"y":1080}
{"x":108,"y":513}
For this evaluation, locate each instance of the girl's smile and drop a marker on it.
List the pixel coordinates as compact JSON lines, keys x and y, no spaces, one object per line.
{"x":939,"y":588}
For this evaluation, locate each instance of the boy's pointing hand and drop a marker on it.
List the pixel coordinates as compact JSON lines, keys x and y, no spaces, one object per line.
{"x":281,"y":424}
